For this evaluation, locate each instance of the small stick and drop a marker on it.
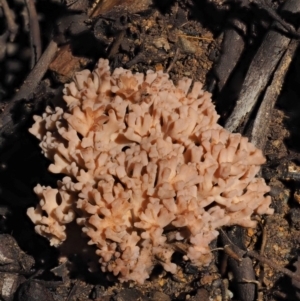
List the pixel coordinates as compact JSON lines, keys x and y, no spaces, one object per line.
{"x":269,"y":262}
{"x":72,"y":291}
{"x":12,"y":26}
{"x":7,"y":125}
{"x":261,"y":252}
{"x":193,"y":37}
{"x":273,"y":14}
{"x":36,"y":75}
{"x":175,"y":58}
{"x":228,"y":250}
{"x":35,"y":35}
{"x":260,"y":71}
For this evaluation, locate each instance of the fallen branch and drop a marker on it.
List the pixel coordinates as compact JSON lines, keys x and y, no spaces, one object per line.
{"x":260,"y":71}
{"x":7,"y":125}
{"x":35,"y":36}
{"x":287,"y":272}
{"x":262,"y":121}
{"x":10,"y":19}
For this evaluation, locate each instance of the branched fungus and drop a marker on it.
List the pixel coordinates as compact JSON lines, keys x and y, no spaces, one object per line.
{"x":143,"y":158}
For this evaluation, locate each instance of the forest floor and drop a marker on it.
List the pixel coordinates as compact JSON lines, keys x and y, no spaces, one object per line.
{"x":214,"y":42}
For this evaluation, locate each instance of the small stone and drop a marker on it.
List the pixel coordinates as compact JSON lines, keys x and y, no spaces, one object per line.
{"x":186,"y":46}
{"x":161,"y":43}
{"x":201,"y":295}
{"x":160,"y":296}
{"x":9,"y":283}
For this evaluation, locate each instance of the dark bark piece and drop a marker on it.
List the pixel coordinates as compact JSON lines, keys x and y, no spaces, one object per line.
{"x":262,"y":121}
{"x":260,"y":71}
{"x":70,"y":25}
{"x":231,"y":50}
{"x":34,"y":291}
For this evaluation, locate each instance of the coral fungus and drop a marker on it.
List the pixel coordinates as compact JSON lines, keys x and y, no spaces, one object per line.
{"x":144,"y":158}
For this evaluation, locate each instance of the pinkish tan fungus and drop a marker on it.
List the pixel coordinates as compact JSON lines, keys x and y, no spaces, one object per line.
{"x":143,"y":158}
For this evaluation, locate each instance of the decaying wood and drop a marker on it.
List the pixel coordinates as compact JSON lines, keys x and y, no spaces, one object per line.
{"x":262,"y":121}
{"x":232,"y":48}
{"x":260,"y":71}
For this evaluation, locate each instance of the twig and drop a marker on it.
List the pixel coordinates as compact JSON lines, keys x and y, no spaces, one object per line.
{"x":72,"y":291}
{"x":273,"y":14}
{"x":262,"y":121}
{"x":35,"y":36}
{"x":264,"y":238}
{"x":229,"y":251}
{"x":7,"y":125}
{"x":241,"y":269}
{"x":260,"y":71}
{"x":193,"y":37}
{"x":175,"y":58}
{"x":10,"y":19}
{"x":116,"y":43}
{"x":273,"y":265}
{"x":36,"y":74}
{"x":3,"y":44}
